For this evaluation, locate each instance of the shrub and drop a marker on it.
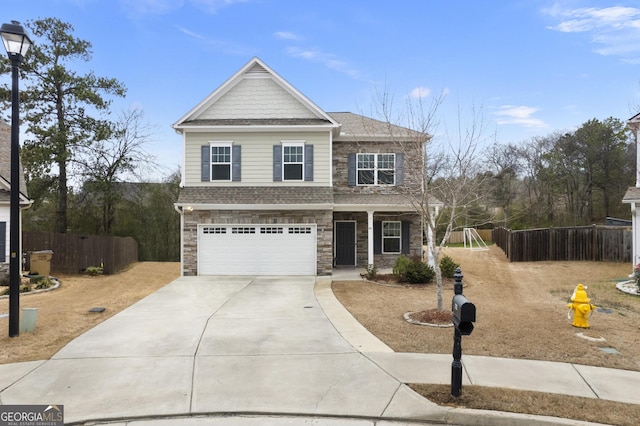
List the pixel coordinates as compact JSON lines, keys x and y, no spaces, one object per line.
{"x":93,"y":271}
{"x":372,"y":271}
{"x":42,"y":282}
{"x":401,"y":265}
{"x":448,"y":267}
{"x":413,"y":271}
{"x":419,"y":272}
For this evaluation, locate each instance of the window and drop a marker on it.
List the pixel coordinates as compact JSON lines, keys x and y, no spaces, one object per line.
{"x":243,"y":230}
{"x":391,"y":237}
{"x":221,"y":162}
{"x":376,"y":169}
{"x":214,"y":230}
{"x":271,"y":230}
{"x":293,"y":161}
{"x":299,"y":230}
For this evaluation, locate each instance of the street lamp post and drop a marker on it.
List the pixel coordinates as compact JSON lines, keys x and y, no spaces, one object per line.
{"x":16,"y":42}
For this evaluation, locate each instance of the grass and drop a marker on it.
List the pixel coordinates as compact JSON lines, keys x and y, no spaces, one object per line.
{"x":535,"y":403}
{"x":535,"y":294}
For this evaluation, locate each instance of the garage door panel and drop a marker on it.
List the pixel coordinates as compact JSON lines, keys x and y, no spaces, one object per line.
{"x":257,"y":249}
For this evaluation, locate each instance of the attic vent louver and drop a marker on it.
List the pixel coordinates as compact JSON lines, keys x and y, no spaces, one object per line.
{"x":257,"y":69}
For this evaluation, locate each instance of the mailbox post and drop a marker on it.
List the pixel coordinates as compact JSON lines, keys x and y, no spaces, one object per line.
{"x":464,"y":315}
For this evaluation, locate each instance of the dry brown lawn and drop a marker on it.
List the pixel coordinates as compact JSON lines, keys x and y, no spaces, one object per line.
{"x":63,"y":314}
{"x":521,"y":313}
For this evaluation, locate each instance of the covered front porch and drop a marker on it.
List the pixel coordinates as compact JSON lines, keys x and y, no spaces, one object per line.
{"x":368,"y":236}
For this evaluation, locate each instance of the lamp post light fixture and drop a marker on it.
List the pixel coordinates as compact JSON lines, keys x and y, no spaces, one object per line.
{"x":17,"y":43}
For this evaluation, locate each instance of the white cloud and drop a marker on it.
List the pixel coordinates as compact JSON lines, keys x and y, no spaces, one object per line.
{"x":327,"y":59}
{"x":212,"y":6}
{"x":137,"y":8}
{"x":420,"y":92}
{"x":286,"y":35}
{"x":615,"y":29}
{"x":190,"y":33}
{"x":520,"y":115}
{"x":150,"y":7}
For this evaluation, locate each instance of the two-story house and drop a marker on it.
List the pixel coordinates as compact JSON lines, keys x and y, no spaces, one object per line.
{"x":274,"y":185}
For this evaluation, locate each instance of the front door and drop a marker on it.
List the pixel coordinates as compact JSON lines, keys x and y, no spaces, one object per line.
{"x":345,"y":241}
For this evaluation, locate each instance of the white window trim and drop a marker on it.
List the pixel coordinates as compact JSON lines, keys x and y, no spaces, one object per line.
{"x":220,"y":144}
{"x":399,"y":237}
{"x":376,"y":169}
{"x":293,"y":144}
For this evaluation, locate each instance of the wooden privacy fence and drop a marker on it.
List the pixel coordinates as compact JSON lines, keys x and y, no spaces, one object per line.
{"x":596,"y":243}
{"x":72,"y":253}
{"x":457,"y":237}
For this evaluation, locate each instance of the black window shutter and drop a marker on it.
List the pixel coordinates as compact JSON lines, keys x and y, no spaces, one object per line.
{"x":399,"y":168}
{"x":236,"y":166}
{"x":406,"y":237}
{"x":377,"y":237}
{"x":351,"y":170}
{"x":3,"y":241}
{"x":277,"y":163}
{"x":205,"y":158}
{"x":308,"y":163}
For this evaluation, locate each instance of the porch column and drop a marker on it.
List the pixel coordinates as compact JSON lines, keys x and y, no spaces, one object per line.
{"x":636,"y":235}
{"x":369,"y":238}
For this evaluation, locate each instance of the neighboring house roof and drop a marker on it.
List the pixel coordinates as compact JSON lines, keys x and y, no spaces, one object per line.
{"x":256,"y":195}
{"x":358,"y":128}
{"x":219,"y":110}
{"x":5,"y":167}
{"x":632,"y":195}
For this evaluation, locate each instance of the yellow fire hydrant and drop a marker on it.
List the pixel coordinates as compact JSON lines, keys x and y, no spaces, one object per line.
{"x":581,"y":307}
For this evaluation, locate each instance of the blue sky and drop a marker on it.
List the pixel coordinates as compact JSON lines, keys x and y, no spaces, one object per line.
{"x":532,"y":66}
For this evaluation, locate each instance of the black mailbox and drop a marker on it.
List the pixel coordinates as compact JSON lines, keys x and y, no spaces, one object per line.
{"x":464,"y":314}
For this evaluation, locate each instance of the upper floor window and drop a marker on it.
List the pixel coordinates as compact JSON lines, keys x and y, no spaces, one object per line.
{"x":293,"y":161}
{"x":376,"y":169}
{"x":221,"y":162}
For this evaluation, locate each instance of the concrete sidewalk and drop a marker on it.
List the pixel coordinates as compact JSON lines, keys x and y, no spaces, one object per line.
{"x":541,"y":376}
{"x":248,"y":351}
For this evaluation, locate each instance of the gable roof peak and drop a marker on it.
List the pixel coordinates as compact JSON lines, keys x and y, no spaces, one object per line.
{"x":252,"y":70}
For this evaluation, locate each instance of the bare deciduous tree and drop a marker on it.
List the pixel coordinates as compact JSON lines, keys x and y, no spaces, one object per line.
{"x":107,"y":161}
{"x":447,"y":167}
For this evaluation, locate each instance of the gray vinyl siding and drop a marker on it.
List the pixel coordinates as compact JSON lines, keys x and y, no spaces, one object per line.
{"x":257,"y":157}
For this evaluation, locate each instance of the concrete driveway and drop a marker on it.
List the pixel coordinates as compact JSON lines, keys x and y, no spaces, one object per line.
{"x":216,"y":345}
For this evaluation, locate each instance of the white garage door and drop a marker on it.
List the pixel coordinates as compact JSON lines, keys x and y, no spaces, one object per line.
{"x":257,"y":249}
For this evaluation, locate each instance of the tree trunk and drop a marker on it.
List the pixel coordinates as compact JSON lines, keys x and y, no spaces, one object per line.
{"x":61,"y":216}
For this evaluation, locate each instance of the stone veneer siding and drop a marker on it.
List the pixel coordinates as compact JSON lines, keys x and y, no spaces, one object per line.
{"x":382,"y":260}
{"x":322,"y":218}
{"x":341,"y":151}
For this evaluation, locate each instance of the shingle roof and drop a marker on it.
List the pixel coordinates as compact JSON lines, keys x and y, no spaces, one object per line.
{"x":632,"y":195}
{"x":296,"y":195}
{"x":359,"y":127}
{"x":258,"y":122}
{"x":255,"y":195}
{"x":376,"y":199}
